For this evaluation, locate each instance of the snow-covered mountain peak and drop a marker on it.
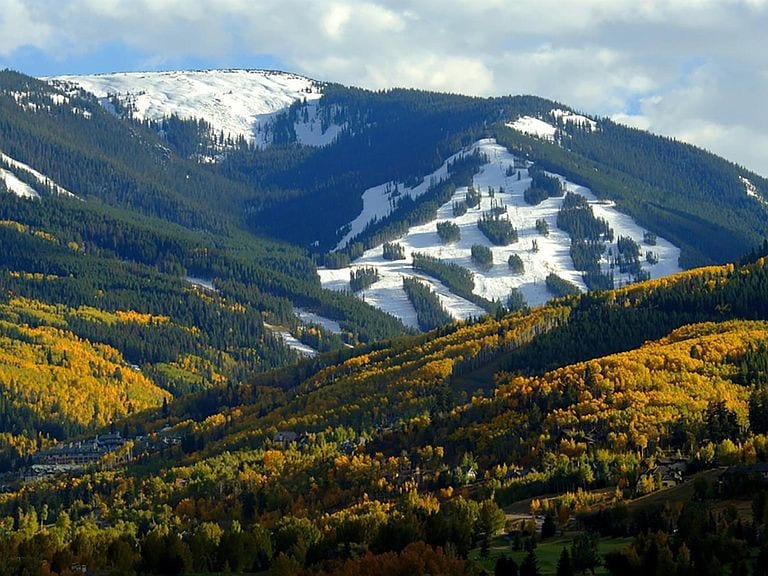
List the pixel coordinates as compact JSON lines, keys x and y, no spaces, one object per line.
{"x":235,"y":102}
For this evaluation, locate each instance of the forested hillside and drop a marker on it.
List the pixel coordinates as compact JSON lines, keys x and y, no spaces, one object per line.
{"x":58,"y":385}
{"x":698,"y":200}
{"x":311,"y":194}
{"x":418,"y":443}
{"x":140,"y":203}
{"x":126,"y":248}
{"x":148,"y":293}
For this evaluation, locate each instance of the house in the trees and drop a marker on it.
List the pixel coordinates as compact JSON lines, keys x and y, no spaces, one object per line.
{"x":285,"y":438}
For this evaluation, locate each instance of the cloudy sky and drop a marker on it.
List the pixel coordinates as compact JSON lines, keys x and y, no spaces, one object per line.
{"x":696,"y":70}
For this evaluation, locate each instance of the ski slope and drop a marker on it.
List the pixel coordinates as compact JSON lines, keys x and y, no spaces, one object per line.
{"x":309,"y":318}
{"x":291,"y":341}
{"x":9,"y":170}
{"x":553,"y":253}
{"x":16,"y":186}
{"x":541,"y":128}
{"x":534,"y":127}
{"x":237,"y":103}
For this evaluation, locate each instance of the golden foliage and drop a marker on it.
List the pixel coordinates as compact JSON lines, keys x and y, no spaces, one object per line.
{"x":62,"y":378}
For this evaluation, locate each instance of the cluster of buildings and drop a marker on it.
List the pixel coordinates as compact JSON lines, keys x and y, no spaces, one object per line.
{"x":104,"y":450}
{"x":76,"y":456}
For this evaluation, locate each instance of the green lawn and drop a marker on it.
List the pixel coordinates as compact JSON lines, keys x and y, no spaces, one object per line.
{"x":547,"y":552}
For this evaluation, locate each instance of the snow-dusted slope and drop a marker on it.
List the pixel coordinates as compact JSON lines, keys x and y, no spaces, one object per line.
{"x":291,"y":341}
{"x":752,"y":191}
{"x":235,"y":102}
{"x":9,"y":168}
{"x":378,"y":201}
{"x":542,"y":128}
{"x":308,"y":317}
{"x":533,"y":127}
{"x":495,"y":284}
{"x":16,"y":186}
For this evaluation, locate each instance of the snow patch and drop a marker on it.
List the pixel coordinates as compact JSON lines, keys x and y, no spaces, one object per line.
{"x":308,"y":317}
{"x":310,"y":130}
{"x":26,"y":100}
{"x":41,"y":178}
{"x":291,"y":341}
{"x":201,"y":283}
{"x":752,"y":191}
{"x":106,"y":103}
{"x":533,"y":127}
{"x":17,"y":186}
{"x":59,"y":99}
{"x":542,"y":129}
{"x":578,"y":120}
{"x":379,"y":201}
{"x":82,"y":112}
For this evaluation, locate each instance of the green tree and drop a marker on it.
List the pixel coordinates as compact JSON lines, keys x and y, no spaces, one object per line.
{"x":721,"y":422}
{"x":205,"y":544}
{"x":123,"y":555}
{"x":530,"y":565}
{"x":758,"y":409}
{"x":505,"y":566}
{"x":584,"y":552}
{"x":295,"y":536}
{"x":455,"y":524}
{"x":549,"y":526}
{"x":564,"y":566}
{"x":490,"y":520}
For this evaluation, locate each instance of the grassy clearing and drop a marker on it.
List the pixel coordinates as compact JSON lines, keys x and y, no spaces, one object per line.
{"x":547,"y":552}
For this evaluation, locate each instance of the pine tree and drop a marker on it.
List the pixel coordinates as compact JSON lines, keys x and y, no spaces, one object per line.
{"x":564,"y":566}
{"x":505,"y":566}
{"x":530,"y":565}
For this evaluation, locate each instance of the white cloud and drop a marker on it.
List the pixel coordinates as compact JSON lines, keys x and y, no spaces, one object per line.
{"x":337,"y":18}
{"x":20,"y":26}
{"x":688,"y":63}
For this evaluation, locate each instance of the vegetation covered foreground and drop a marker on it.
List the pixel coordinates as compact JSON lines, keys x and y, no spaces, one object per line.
{"x":414,"y":457}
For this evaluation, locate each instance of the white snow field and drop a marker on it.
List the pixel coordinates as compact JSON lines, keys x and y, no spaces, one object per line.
{"x":16,"y":186}
{"x":494,"y":284}
{"x":235,"y":102}
{"x":378,"y":201}
{"x":533,"y":127}
{"x":203,"y":283}
{"x":291,"y":341}
{"x":543,"y":129}
{"x":572,"y":118}
{"x":308,"y":317}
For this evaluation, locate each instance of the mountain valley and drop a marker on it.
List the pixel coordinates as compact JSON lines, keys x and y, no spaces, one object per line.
{"x":255,"y":323}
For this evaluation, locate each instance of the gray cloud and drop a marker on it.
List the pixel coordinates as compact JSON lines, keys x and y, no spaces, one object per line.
{"x":692,"y":69}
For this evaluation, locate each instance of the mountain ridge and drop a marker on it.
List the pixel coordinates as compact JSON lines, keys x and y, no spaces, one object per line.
{"x":235,"y":103}
{"x":248,"y":175}
{"x":214,"y":447}
{"x":339,"y":108}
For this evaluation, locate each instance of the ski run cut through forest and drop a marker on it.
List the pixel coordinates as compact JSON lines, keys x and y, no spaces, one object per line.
{"x":507,"y":178}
